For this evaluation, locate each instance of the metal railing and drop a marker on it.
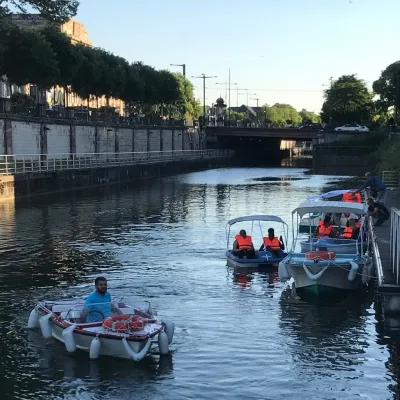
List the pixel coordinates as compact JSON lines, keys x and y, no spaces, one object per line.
{"x":375,"y":252}
{"x":390,"y":179}
{"x":29,"y":163}
{"x":395,"y":241}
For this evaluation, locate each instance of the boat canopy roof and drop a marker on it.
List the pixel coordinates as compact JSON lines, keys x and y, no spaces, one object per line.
{"x":328,"y":195}
{"x":310,"y":207}
{"x":271,"y":218}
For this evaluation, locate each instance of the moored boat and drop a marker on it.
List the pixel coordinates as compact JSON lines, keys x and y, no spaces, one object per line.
{"x":127,"y":336}
{"x":262,"y":258}
{"x":320,"y":270}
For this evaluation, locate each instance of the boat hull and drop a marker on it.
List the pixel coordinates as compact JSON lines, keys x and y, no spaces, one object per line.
{"x":261,"y":262}
{"x":112,"y":347}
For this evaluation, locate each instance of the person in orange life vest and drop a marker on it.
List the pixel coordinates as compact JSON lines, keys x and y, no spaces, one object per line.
{"x":351,"y":231}
{"x":243,"y":245}
{"x":272,"y":244}
{"x":325,"y":229}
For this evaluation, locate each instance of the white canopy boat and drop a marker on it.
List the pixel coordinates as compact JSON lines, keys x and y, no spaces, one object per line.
{"x":314,"y":218}
{"x":323,"y":271}
{"x":125,"y":336}
{"x":262,"y":258}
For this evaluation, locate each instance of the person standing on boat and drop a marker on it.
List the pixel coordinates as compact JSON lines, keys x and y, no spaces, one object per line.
{"x":325,"y":229}
{"x":243,"y":246}
{"x":272,"y":244}
{"x":378,"y":188}
{"x":98,"y":304}
{"x":378,"y":210}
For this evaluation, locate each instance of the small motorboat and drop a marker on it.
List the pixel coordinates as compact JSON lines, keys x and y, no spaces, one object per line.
{"x":313,"y":219}
{"x":125,"y":336}
{"x":322,"y":271}
{"x":263,"y":258}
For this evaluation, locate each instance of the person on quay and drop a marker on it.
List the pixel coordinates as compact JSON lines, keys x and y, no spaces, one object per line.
{"x":377,"y":187}
{"x":325,"y":228}
{"x":98,"y":304}
{"x":272,"y":244}
{"x":378,"y":210}
{"x":243,"y":246}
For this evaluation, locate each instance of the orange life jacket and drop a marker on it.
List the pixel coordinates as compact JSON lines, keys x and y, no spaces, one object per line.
{"x":320,"y":222}
{"x":347,"y":233}
{"x":358,"y":224}
{"x":274,"y":243}
{"x":352,"y":197}
{"x":324,"y":230}
{"x":244,"y":243}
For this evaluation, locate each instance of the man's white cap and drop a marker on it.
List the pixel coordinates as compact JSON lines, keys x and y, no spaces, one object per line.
{"x":368,"y":174}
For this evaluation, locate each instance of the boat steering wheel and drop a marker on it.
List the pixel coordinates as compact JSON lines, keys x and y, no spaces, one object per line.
{"x":98,"y":312}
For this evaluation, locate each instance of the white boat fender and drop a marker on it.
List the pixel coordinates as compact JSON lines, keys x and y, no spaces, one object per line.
{"x":311,"y":276}
{"x":136,"y":356}
{"x":94,"y":352}
{"x":169,"y":329}
{"x":33,"y":321}
{"x":283,"y":271}
{"x":353,"y":271}
{"x":68,"y":337}
{"x":163,"y":343}
{"x":45,"y":325}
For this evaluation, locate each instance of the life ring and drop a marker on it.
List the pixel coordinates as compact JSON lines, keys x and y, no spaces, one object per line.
{"x":320,"y":255}
{"x":124,"y":323}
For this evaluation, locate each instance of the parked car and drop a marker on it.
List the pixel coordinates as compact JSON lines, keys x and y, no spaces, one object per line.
{"x":352,"y":128}
{"x":311,"y":126}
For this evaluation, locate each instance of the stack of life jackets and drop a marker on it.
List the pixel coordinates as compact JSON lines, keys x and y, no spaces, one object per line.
{"x":352,"y":197}
{"x":273,"y":244}
{"x":244,"y":243}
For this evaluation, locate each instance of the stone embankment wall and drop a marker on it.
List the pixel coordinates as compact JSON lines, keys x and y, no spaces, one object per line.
{"x":50,"y":137}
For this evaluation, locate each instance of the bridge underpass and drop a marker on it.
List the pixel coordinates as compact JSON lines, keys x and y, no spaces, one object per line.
{"x":256,"y":146}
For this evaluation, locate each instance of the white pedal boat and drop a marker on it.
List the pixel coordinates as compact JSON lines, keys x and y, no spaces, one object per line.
{"x":62,"y":320}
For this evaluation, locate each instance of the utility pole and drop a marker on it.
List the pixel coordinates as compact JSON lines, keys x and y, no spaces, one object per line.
{"x":229,"y":100}
{"x":204,"y":91}
{"x":183,"y":68}
{"x":257,"y":105}
{"x":396,"y":106}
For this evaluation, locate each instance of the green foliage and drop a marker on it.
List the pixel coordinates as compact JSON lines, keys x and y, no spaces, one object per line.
{"x":387,"y":87}
{"x":22,"y":102}
{"x":280,"y":114}
{"x":236,"y":116}
{"x":309,"y":117}
{"x":387,"y":157}
{"x":54,"y":10}
{"x":29,"y":58}
{"x":348,"y":100}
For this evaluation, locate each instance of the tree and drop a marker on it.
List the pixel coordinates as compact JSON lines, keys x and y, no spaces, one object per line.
{"x":29,"y":58}
{"x":309,"y":117}
{"x":387,"y":87}
{"x":348,"y":100}
{"x":54,"y":10}
{"x":280,"y":114}
{"x":67,"y":55}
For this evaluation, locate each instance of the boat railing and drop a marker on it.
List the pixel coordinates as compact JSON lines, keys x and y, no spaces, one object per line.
{"x":372,"y":240}
{"x":395,"y":241}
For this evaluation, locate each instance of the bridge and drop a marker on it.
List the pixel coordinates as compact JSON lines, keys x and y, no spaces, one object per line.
{"x":213,"y":132}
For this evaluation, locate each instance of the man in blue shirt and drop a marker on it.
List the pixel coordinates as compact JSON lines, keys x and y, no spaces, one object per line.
{"x":378,"y":188}
{"x":98,"y":304}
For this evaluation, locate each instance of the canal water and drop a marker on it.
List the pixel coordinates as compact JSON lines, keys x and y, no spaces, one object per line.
{"x":238,"y":336}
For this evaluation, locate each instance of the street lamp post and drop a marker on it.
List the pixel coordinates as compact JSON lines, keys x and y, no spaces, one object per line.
{"x":183,"y":68}
{"x":330,"y":107}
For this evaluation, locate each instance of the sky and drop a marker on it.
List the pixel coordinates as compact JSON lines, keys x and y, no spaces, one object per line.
{"x":282,"y":51}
